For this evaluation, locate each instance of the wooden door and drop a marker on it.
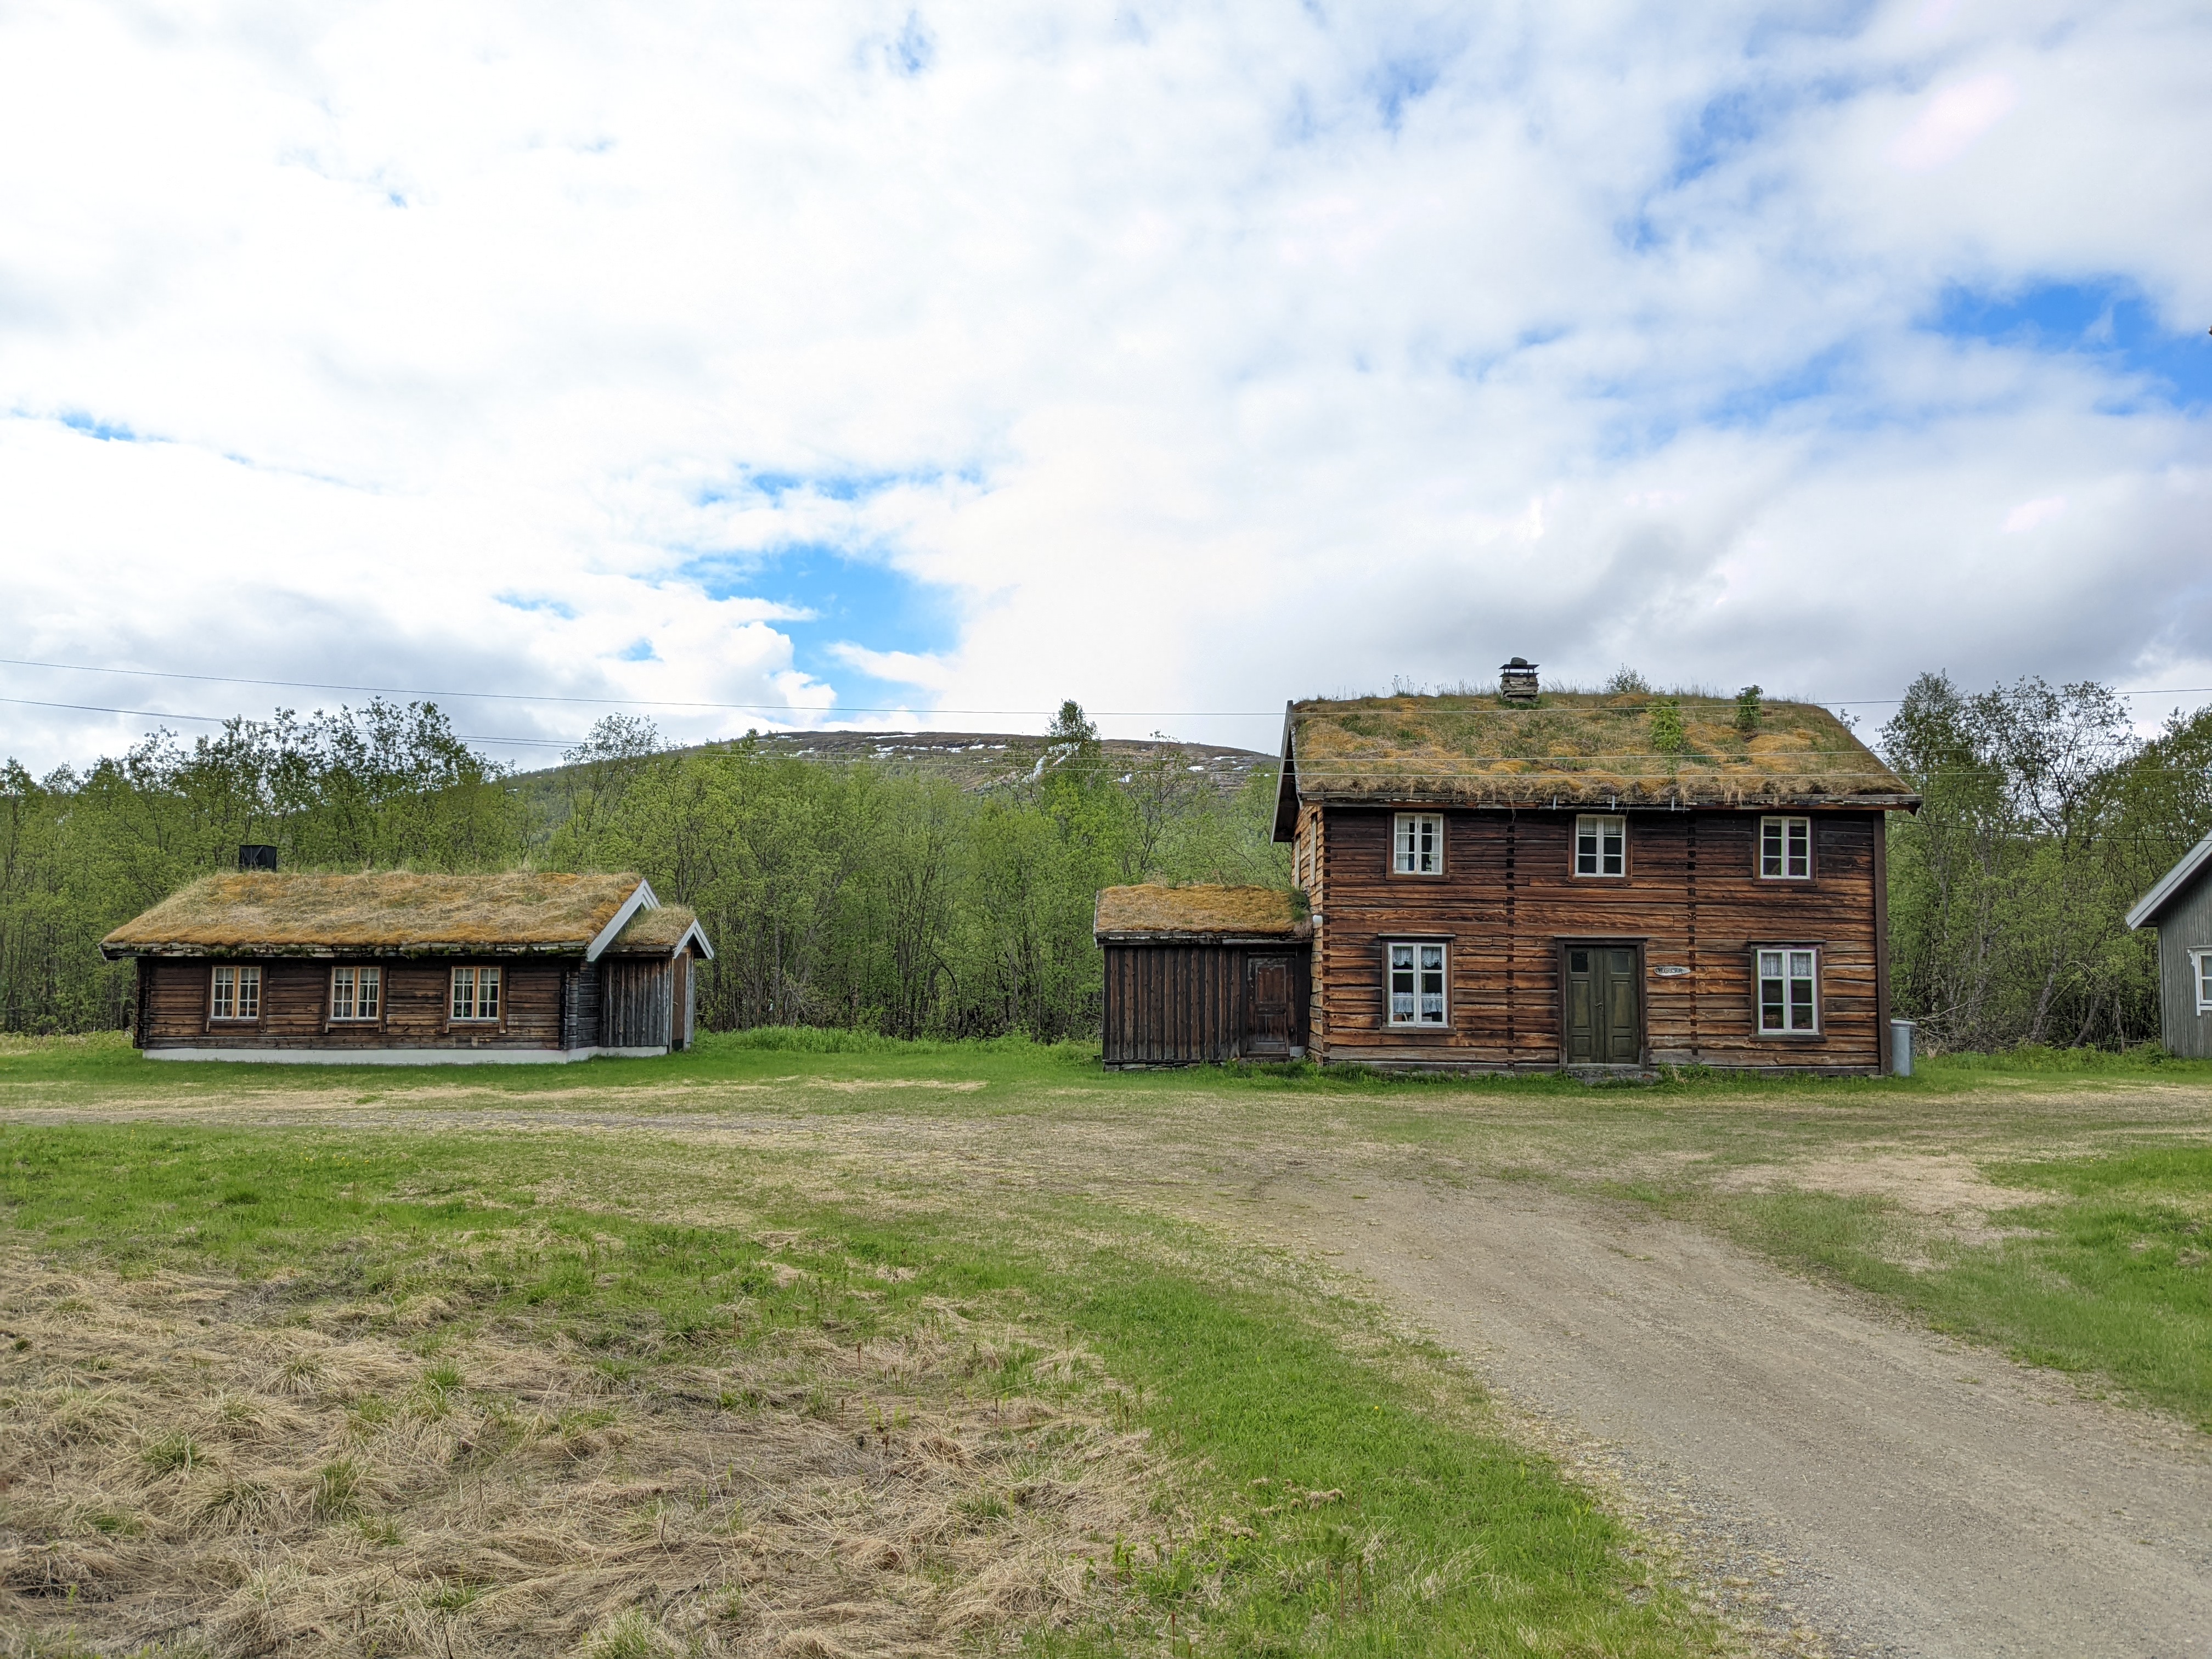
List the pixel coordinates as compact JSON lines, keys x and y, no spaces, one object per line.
{"x":1268,"y":985}
{"x":1604,"y":1013}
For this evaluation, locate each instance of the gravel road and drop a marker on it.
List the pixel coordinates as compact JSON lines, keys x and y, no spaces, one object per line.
{"x":1919,"y":1497}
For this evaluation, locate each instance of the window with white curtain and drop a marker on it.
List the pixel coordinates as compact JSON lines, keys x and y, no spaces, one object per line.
{"x":1417,"y":984}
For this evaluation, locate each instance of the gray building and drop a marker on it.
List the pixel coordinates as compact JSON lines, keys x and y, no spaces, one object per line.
{"x":2180,"y":907}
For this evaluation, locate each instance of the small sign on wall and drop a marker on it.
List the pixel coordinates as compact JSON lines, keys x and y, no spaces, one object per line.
{"x":1671,"y":970}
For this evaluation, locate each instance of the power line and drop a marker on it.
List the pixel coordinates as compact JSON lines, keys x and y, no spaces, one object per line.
{"x":785,"y":709}
{"x":221,"y":719}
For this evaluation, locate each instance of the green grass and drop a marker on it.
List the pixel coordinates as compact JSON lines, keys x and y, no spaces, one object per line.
{"x":1333,"y":1491}
{"x":2111,"y":1278}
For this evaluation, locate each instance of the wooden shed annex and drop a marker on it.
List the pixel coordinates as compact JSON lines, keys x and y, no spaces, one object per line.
{"x":2180,"y":907}
{"x":1195,"y":976}
{"x":395,"y":968}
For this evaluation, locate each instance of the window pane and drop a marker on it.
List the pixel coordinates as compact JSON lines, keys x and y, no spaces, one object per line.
{"x":1401,"y":956}
{"x":1405,"y":855}
{"x":371,"y":989}
{"x":1769,"y":846}
{"x":1801,"y":963}
{"x":341,"y":993}
{"x":1578,"y":962}
{"x":1801,"y":1005}
{"x":464,"y":992}
{"x":1770,"y":1004}
{"x":249,"y":993}
{"x":1770,"y":961}
{"x":1585,"y":848}
{"x":1800,"y":847}
{"x":226,"y":981}
{"x":488,"y":993}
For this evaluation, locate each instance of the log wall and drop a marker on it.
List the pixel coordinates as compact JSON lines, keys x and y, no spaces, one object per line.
{"x":1508,"y":901}
{"x":295,"y":1002}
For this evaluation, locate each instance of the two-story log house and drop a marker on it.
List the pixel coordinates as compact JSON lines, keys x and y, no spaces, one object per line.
{"x":1528,"y":880}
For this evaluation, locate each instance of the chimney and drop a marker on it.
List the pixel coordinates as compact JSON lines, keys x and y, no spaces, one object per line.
{"x":254,"y":855}
{"x":1516,"y":681}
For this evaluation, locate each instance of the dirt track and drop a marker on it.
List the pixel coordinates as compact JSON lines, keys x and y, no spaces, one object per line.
{"x":1916,"y":1496}
{"x":1877,"y":1488}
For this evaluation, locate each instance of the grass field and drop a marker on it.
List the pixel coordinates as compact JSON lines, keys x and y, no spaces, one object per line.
{"x":805,"y":1343}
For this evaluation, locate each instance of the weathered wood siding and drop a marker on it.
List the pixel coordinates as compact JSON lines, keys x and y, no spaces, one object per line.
{"x":1183,"y":1004}
{"x":579,"y":1006}
{"x":2185,"y":925}
{"x":634,"y":1003}
{"x":1508,"y":900}
{"x":295,"y":1006}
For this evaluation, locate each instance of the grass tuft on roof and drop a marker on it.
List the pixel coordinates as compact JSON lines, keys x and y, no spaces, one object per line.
{"x":1155,"y":907}
{"x":1581,"y":748}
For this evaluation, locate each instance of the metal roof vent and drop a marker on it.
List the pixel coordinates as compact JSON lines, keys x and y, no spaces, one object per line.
{"x":1516,"y":681}
{"x":254,"y":855}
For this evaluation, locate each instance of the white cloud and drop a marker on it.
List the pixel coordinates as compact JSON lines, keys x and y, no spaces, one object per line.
{"x":2028,"y":514}
{"x":1191,"y":355}
{"x":1952,"y":119}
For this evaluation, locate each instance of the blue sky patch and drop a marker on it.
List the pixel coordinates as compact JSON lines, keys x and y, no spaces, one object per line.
{"x":2108,"y":320}
{"x":848,"y":600}
{"x":108,"y":432}
{"x":537,"y":602}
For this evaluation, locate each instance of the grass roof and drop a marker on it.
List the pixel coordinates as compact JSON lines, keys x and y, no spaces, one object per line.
{"x":655,"y":932}
{"x":1582,"y":748}
{"x":386,"y":910}
{"x":1264,"y":912}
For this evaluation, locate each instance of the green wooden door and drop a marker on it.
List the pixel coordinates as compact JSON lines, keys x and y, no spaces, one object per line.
{"x":1604,"y":1022}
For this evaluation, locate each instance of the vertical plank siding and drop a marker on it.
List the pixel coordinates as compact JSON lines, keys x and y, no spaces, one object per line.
{"x":2184,"y":925}
{"x":1184,"y":1003}
{"x":1508,"y":899}
{"x":634,"y":1006}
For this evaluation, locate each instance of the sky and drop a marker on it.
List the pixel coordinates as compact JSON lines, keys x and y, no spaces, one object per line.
{"x":828,"y":363}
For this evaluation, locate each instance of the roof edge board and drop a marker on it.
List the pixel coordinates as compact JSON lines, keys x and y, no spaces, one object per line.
{"x":2145,"y":911}
{"x":641,"y":899}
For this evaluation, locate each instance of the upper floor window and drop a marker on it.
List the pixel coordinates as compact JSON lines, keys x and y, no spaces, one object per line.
{"x":1417,"y":984}
{"x":476,"y":994}
{"x":1788,"y":990}
{"x":1418,"y":844}
{"x":237,"y":992}
{"x":356,"y":992}
{"x":1785,"y":849}
{"x":1601,"y":846}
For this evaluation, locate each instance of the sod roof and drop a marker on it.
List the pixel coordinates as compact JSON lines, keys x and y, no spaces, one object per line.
{"x":1207,"y":911}
{"x":378,"y":912}
{"x":1580,"y":748}
{"x":657,"y":932}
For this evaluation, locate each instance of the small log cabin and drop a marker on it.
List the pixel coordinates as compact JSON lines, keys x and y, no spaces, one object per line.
{"x":1196,"y":976}
{"x":393,"y":967}
{"x":2180,"y":907}
{"x":1531,"y":881}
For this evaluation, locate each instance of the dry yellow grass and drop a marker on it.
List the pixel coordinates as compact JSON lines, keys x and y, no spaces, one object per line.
{"x":1201,"y":908}
{"x":171,"y":1471}
{"x":381,"y":911}
{"x":1580,"y":747}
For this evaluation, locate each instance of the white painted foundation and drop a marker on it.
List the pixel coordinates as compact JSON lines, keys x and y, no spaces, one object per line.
{"x":403,"y":1056}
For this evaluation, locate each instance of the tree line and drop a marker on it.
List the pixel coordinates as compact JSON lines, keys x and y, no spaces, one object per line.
{"x":867,"y":896}
{"x":859,"y":894}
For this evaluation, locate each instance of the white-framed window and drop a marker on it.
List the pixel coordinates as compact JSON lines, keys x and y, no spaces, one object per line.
{"x":1785,"y":849}
{"x":1417,"y":984}
{"x":1601,"y":846}
{"x":1417,"y":842}
{"x":2200,"y":963}
{"x":1789,"y":989}
{"x":476,"y":994}
{"x":356,"y":994}
{"x":237,"y":992}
